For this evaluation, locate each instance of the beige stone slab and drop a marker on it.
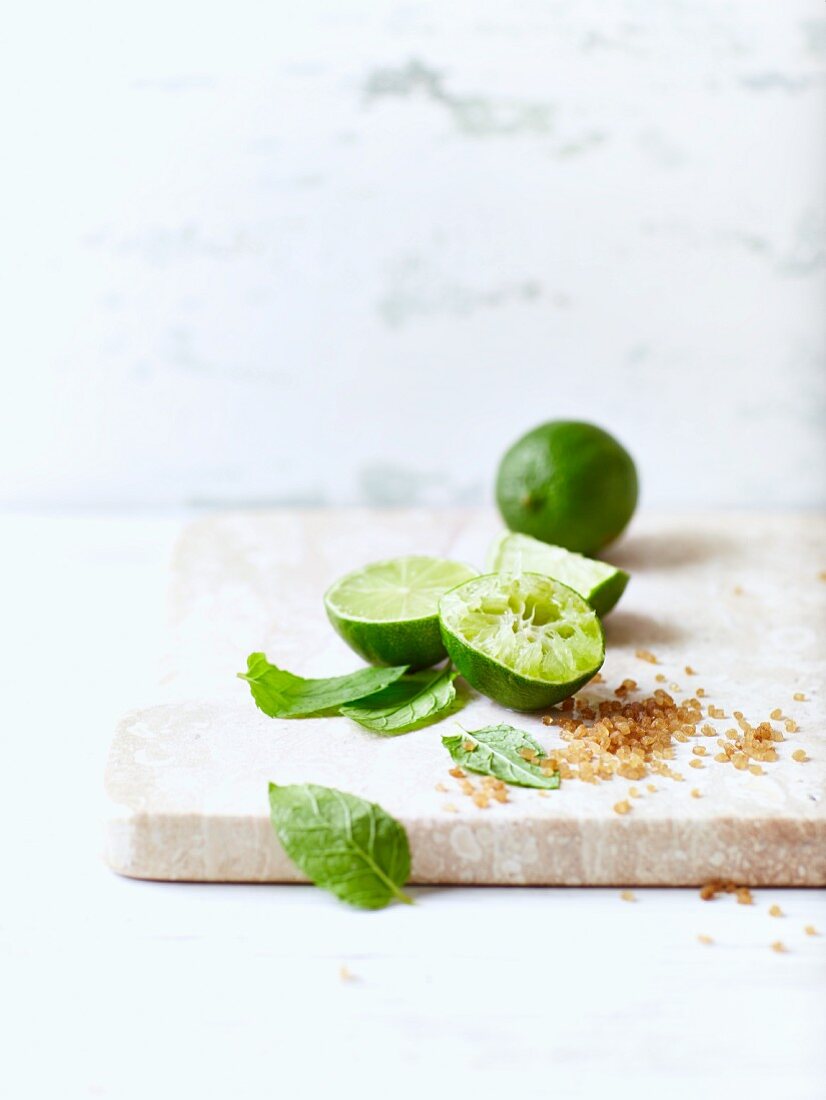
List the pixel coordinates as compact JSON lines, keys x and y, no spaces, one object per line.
{"x":738,"y":598}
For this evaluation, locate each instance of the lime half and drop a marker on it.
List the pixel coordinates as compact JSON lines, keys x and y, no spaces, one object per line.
{"x":601,"y":584}
{"x":388,"y":612}
{"x":526,"y":641}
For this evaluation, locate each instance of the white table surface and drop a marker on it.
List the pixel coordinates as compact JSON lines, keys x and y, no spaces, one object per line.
{"x":115,"y":988}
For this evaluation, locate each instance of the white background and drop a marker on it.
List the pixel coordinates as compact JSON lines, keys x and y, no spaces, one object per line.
{"x":347,"y":250}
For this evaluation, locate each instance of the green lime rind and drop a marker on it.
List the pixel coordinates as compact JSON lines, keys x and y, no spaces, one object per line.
{"x":527,"y":642}
{"x":606,"y":596}
{"x":417,"y":644}
{"x":387,"y":612}
{"x":599,"y":582}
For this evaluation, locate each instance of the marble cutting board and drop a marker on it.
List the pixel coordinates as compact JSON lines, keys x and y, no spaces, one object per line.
{"x":740,"y":598}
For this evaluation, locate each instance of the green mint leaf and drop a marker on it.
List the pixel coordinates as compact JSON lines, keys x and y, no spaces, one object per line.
{"x":409,"y":703}
{"x":342,"y":843}
{"x":494,"y":750}
{"x":281,"y":694}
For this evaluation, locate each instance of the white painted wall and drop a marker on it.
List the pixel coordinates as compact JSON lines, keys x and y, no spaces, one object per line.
{"x":346,"y":251}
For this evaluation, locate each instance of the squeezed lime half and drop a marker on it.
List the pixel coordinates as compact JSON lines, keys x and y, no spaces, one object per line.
{"x":600,"y":583}
{"x":526,"y":641}
{"x":388,"y":611}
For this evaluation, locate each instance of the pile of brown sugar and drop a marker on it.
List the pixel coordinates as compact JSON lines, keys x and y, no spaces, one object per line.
{"x":636,"y":737}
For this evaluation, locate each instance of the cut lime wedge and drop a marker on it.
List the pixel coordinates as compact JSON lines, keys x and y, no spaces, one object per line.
{"x":388,"y":611}
{"x":526,"y":641}
{"x":600,"y":583}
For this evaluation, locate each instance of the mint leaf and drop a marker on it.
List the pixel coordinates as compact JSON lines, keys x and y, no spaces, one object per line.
{"x":281,"y":694}
{"x":342,"y":843}
{"x":407,"y":704}
{"x":495,"y":750}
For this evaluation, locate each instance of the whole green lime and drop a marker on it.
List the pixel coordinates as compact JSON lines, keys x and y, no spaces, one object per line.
{"x":569,"y":483}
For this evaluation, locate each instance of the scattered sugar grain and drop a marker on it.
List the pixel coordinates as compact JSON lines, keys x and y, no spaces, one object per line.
{"x":646,"y":655}
{"x":628,"y":895}
{"x":703,"y":938}
{"x":775,"y":911}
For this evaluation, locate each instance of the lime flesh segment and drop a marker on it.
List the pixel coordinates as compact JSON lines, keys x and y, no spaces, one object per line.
{"x":526,"y":641}
{"x":388,"y":611}
{"x":600,"y":583}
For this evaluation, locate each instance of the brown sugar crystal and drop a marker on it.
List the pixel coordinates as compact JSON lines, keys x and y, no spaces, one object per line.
{"x":719,"y":886}
{"x":646,"y":655}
